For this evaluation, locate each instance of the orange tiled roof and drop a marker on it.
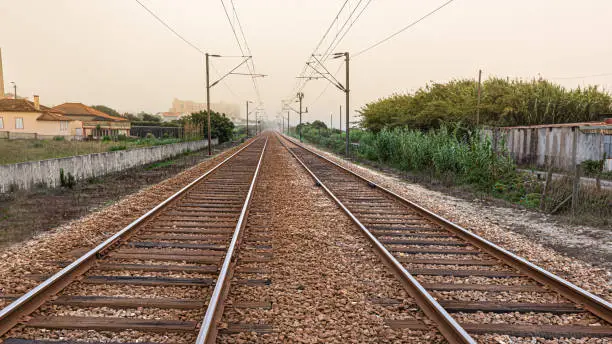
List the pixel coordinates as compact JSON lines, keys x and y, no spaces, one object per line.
{"x":24,"y":105}
{"x":53,"y":116}
{"x":84,"y":110}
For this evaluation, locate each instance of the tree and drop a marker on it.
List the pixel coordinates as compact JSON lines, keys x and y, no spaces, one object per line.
{"x":221,"y":126}
{"x":107,"y":110}
{"x":318,"y":125}
{"x":131,"y":117}
{"x":147,"y":117}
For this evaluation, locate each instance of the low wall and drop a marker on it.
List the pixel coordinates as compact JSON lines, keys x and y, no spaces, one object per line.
{"x":551,"y":146}
{"x":26,"y":175}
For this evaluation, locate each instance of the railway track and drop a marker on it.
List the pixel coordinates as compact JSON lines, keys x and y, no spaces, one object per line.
{"x":164,"y":274}
{"x":472,"y":288}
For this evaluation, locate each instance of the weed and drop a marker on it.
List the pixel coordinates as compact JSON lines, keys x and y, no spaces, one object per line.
{"x":161,"y":164}
{"x":58,"y":138}
{"x":67,"y":179}
{"x":117,"y":148}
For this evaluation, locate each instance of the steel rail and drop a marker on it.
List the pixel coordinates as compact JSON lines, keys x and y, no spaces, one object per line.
{"x":448,"y":326}
{"x":208,"y":331}
{"x":30,"y":301}
{"x":588,"y":300}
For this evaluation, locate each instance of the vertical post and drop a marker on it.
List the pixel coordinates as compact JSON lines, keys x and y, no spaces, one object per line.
{"x":288,"y":123}
{"x":208,"y":105}
{"x":340,"y":118}
{"x":478,"y":102}
{"x":247,"y":119}
{"x":300,"y":97}
{"x":331,"y":121}
{"x":347,"y":91}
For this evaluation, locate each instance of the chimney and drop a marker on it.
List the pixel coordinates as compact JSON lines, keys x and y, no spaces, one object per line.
{"x":37,"y":102}
{"x":1,"y":77}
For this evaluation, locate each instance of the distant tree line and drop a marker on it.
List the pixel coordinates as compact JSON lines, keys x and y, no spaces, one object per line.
{"x":503,"y":103}
{"x":221,"y":126}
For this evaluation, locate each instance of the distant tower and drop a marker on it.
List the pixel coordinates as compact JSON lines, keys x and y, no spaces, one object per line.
{"x":1,"y":77}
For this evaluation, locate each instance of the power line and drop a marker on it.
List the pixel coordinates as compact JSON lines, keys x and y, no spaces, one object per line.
{"x":239,"y":44}
{"x":299,"y":85}
{"x":403,"y":29}
{"x":335,"y":41}
{"x":246,"y":43}
{"x":170,"y":28}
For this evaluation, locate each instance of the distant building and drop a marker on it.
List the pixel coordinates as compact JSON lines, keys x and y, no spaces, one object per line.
{"x":24,"y":119}
{"x":96,"y":123}
{"x":171,"y":116}
{"x":231,"y":110}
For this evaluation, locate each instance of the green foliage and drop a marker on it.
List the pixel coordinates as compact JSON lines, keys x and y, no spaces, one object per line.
{"x":67,"y":179}
{"x":221,"y":126}
{"x":150,"y":136}
{"x":106,"y":138}
{"x":122,"y":137}
{"x":592,"y":167}
{"x":147,"y":117}
{"x":107,"y":110}
{"x":58,"y":138}
{"x":503,"y":103}
{"x":117,"y":148}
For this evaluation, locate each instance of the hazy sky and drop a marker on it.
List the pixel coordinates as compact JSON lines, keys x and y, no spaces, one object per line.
{"x":113,"y":52}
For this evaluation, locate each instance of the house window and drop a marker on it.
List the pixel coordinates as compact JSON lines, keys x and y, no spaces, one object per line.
{"x":63,"y":125}
{"x":1,"y":123}
{"x":18,"y":123}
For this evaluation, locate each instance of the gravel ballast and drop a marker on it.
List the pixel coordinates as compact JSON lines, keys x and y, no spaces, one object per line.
{"x":324,"y":273}
{"x":505,"y":227}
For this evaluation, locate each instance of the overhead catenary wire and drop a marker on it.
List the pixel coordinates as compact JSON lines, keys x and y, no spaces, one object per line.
{"x":238,"y":41}
{"x":170,"y":28}
{"x":404,"y":28}
{"x":389,"y":38}
{"x":160,"y":20}
{"x":334,"y":42}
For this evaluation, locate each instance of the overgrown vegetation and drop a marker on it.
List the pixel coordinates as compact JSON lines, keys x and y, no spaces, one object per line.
{"x":458,"y":156}
{"x":504,"y":103}
{"x":221,"y":126}
{"x":67,"y":180}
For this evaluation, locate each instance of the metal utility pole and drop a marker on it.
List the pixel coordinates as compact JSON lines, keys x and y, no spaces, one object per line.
{"x":208,"y":104}
{"x":347,"y":90}
{"x":247,"y":118}
{"x":478,"y":102}
{"x":340,"y":118}
{"x":288,"y":123}
{"x":331,"y":121}
{"x":300,"y":96}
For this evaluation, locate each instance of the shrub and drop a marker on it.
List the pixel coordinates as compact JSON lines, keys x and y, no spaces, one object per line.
{"x":58,"y":138}
{"x":150,"y":136}
{"x":67,"y":179}
{"x":122,"y":137}
{"x":117,"y":148}
{"x":592,"y":167}
{"x":106,"y":138}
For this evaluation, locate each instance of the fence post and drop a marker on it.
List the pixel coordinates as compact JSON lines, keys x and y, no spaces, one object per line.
{"x":575,"y":190}
{"x":546,"y":186}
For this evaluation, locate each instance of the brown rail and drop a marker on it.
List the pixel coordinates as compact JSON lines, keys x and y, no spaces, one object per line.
{"x":195,"y":227}
{"x":403,"y":230}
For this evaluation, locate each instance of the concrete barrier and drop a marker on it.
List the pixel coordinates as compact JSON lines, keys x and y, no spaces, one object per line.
{"x":26,"y":175}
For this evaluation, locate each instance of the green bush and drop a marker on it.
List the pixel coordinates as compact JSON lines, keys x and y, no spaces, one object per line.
{"x":67,"y":179}
{"x":122,"y":137}
{"x":150,"y":136}
{"x":117,"y":148}
{"x":58,"y":138}
{"x":106,"y":138}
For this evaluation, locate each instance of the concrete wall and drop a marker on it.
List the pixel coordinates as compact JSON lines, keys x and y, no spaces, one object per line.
{"x":554,"y":145}
{"x":26,"y":175}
